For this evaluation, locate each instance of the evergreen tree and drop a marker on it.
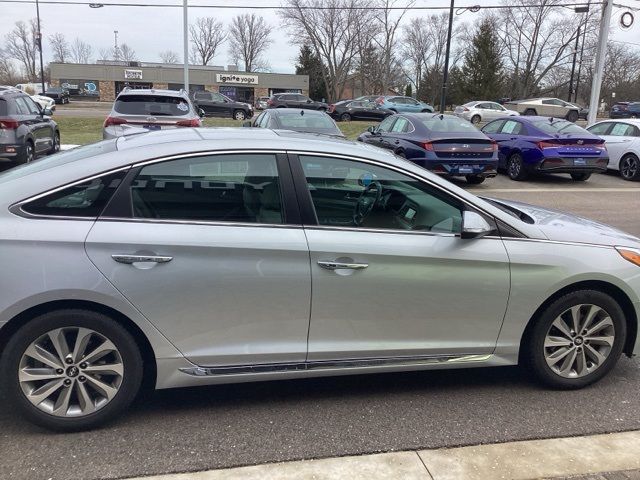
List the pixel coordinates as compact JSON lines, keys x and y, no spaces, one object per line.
{"x":408,"y":91}
{"x":482,"y":71}
{"x":310,"y":64}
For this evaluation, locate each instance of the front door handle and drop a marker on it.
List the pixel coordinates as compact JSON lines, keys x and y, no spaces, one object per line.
{"x":129,"y":259}
{"x":332,"y":265}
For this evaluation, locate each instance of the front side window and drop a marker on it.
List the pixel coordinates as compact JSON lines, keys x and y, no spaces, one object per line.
{"x":349,"y":193}
{"x":493,"y":127}
{"x":223,"y":188}
{"x":385,"y":125}
{"x":85,"y":199}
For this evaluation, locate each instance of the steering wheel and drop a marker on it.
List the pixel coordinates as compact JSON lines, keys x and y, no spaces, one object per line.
{"x":367,"y":200}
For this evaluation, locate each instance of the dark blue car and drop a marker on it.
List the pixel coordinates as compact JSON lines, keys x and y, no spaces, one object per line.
{"x":444,"y":144}
{"x":547,"y":145}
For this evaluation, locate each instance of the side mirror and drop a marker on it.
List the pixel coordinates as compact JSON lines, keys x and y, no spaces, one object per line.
{"x":371,"y":129}
{"x":201,"y":113}
{"x":474,"y":225}
{"x":309,"y":100}
{"x":247,"y":123}
{"x":47,"y":111}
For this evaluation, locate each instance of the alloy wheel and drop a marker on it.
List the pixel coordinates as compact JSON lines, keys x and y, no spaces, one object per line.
{"x":29,"y":153}
{"x":70,"y":372}
{"x":579,"y":341}
{"x":515,"y":167}
{"x":629,"y":167}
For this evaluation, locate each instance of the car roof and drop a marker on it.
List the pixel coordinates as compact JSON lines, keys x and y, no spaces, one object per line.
{"x":295,"y":111}
{"x":153,"y":91}
{"x":629,"y":121}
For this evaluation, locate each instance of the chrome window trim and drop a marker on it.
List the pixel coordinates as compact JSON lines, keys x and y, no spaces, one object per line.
{"x":381,"y":230}
{"x":198,"y":222}
{"x":205,"y":152}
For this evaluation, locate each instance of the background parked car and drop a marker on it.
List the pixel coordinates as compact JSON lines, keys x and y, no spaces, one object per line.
{"x":295,"y":100}
{"x":444,"y":144}
{"x":215,"y":104}
{"x":309,"y":121}
{"x":399,"y":104}
{"x":348,"y":110}
{"x":44,"y":102}
{"x":625,"y":110}
{"x":482,"y":111}
{"x":622,"y":139}
{"x":26,"y":130}
{"x":58,"y":94}
{"x":139,"y":111}
{"x":550,"y":107}
{"x":548,"y":145}
{"x":261,"y":103}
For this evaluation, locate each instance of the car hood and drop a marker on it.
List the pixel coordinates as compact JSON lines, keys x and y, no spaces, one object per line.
{"x":566,"y":227}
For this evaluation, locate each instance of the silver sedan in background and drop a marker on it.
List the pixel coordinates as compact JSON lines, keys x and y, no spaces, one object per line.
{"x":187,"y":257}
{"x":482,"y":111}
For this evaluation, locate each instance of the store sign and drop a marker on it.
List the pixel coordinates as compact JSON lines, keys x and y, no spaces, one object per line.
{"x":133,"y":74}
{"x":232,"y":78}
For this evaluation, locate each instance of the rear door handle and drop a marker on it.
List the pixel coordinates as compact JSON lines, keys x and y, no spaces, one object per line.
{"x":331,"y":265}
{"x":129,"y":259}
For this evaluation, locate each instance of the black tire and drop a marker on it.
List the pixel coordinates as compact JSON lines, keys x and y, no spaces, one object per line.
{"x":475,"y":179}
{"x":401,"y":154}
{"x":572,"y":116}
{"x":345,"y":117}
{"x":28,"y":153}
{"x":393,"y":110}
{"x":239,"y":115}
{"x":103,"y":325}
{"x":55,"y":148}
{"x":475,"y":119}
{"x":630,"y":167}
{"x":534,"y":349}
{"x":580,"y":177}
{"x":516,"y":168}
{"x":530,"y":111}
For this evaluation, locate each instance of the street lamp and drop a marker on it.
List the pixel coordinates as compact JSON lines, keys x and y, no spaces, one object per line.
{"x":579,"y":9}
{"x":185,"y":40}
{"x":39,"y":40}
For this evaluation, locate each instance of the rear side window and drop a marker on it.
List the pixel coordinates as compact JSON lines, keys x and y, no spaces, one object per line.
{"x":311,"y":123}
{"x":511,"y":127}
{"x":3,"y":107}
{"x":156,"y":105}
{"x":84,"y":199}
{"x":560,"y":126}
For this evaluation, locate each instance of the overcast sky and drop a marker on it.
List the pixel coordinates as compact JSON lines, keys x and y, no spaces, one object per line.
{"x":152,"y":30}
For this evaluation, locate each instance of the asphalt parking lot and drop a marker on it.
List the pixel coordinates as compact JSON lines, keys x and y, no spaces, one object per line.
{"x":196,"y":429}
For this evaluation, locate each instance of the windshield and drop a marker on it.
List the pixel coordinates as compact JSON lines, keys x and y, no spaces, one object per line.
{"x":157,"y":105}
{"x":558,"y":127}
{"x":448,"y":124}
{"x":310,"y":123}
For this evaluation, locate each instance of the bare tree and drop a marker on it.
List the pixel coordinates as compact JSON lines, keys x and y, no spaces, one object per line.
{"x":127,"y":53}
{"x":207,"y":34}
{"x":169,"y":56}
{"x":60,"y":47}
{"x":331,"y":28}
{"x":415,"y":47}
{"x":105,"y":54}
{"x":8,"y":73}
{"x":248,"y":38}
{"x":21,"y":44}
{"x":80,"y":51}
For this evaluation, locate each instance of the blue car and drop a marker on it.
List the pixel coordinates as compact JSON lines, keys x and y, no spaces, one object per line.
{"x":400,"y":104}
{"x":444,"y":144}
{"x":546,"y":145}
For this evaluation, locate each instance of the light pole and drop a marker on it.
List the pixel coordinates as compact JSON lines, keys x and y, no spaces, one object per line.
{"x":39,"y":40}
{"x":445,"y":73}
{"x":573,"y":65}
{"x":185,"y":44}
{"x":601,"y":52}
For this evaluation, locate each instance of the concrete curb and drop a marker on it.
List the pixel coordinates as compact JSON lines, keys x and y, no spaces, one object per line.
{"x":534,"y":459}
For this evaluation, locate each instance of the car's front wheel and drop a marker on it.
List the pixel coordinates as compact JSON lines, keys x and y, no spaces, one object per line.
{"x":516,"y":168}
{"x":239,"y":115}
{"x":630,"y":167}
{"x":56,"y":143}
{"x":576,"y":340}
{"x":28,"y":153}
{"x":345,"y":117}
{"x":72,"y":369}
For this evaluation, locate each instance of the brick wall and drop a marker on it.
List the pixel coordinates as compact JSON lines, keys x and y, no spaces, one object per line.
{"x":107,"y":91}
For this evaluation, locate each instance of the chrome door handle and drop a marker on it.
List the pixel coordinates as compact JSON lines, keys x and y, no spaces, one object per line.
{"x":329,"y":265}
{"x":129,"y":259}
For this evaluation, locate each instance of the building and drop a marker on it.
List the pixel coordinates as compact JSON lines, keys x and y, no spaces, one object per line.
{"x":103,"y":81}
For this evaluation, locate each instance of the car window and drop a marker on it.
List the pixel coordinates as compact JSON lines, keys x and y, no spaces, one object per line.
{"x":310,"y":123}
{"x":85,"y":199}
{"x":558,"y":126}
{"x":203,"y":96}
{"x":216,"y":97}
{"x":622,"y":130}
{"x":600,"y":128}
{"x":398,"y":100}
{"x":385,"y":125}
{"x":156,"y":105}
{"x":402,"y":125}
{"x":439,"y":123}
{"x":493,"y":127}
{"x":411,"y":101}
{"x":552,"y":101}
{"x":340,"y":189}
{"x":34,"y":108}
{"x":482,"y":106}
{"x":222,"y":188}
{"x":302,"y":98}
{"x":272,"y":123}
{"x":497,"y":106}
{"x":3,"y":107}
{"x":22,"y":107}
{"x":511,"y":127}
{"x":355,"y":105}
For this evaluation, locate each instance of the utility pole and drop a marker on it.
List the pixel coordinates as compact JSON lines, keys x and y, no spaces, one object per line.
{"x":573,"y":66}
{"x":185,"y":43}
{"x":445,"y":73}
{"x":39,"y":39}
{"x":601,"y":52}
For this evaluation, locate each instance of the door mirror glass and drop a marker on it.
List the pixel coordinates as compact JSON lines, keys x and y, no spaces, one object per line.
{"x":47,"y":111}
{"x":371,"y":129}
{"x":201,"y":112}
{"x":474,"y":225}
{"x":309,"y":100}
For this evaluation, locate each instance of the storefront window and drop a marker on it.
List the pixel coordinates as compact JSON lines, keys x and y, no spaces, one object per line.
{"x":82,"y":88}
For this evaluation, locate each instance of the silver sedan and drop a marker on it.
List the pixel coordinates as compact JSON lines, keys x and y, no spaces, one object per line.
{"x":187,"y":257}
{"x":482,"y":111}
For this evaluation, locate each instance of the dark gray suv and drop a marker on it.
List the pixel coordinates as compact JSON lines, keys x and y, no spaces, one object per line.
{"x":26,"y":130}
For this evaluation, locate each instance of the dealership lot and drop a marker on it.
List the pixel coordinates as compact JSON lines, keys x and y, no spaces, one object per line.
{"x":214,"y":427}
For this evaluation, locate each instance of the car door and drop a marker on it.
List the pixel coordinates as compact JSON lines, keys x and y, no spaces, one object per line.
{"x":220,"y":105}
{"x":493,"y":131}
{"x":209,"y":248}
{"x":399,"y":282}
{"x":38,"y":125}
{"x":396,"y":138}
{"x":508,"y":137}
{"x":618,"y":140}
{"x":203,"y":101}
{"x":379,"y":138}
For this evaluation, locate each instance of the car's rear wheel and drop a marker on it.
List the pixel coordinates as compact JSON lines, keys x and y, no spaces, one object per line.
{"x":56,"y":143}
{"x":322,"y":109}
{"x":576,"y":340}
{"x":516,"y":168}
{"x":239,"y":115}
{"x":475,"y":119}
{"x":580,"y":177}
{"x":530,"y":111}
{"x":72,"y":369}
{"x":345,"y":117}
{"x":475,"y":179}
{"x":27,"y":153}
{"x":630,"y":167}
{"x":572,"y":116}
